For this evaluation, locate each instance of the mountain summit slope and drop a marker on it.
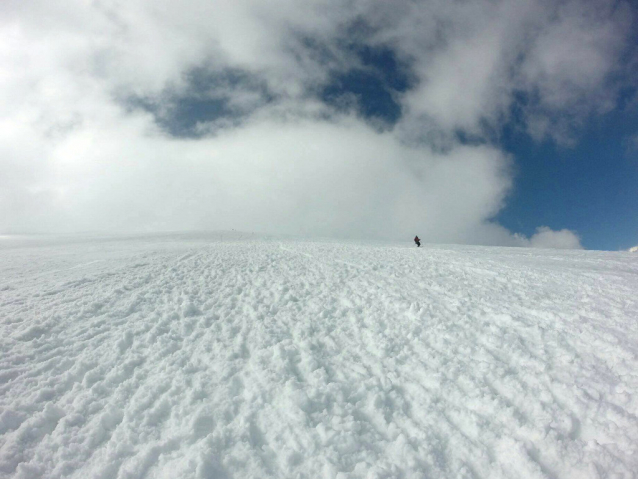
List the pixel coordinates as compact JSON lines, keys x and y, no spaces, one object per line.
{"x":194,"y":357}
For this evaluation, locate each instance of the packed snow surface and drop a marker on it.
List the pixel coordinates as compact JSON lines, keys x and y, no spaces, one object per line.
{"x":236,"y":357}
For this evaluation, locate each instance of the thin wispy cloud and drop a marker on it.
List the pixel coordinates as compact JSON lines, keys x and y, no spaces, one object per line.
{"x":322,"y":117}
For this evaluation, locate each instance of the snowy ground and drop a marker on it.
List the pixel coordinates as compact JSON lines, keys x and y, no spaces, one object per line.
{"x":178,"y":357}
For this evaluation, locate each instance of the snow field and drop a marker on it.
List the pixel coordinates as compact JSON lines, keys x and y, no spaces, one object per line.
{"x":165,"y":358}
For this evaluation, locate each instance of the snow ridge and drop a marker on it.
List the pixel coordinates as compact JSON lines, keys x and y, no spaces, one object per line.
{"x":261,"y":358}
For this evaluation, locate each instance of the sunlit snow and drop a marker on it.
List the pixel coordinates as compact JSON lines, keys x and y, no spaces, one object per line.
{"x":231,"y":356}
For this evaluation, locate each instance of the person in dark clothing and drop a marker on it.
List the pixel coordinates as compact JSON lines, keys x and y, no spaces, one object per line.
{"x":417,"y":241}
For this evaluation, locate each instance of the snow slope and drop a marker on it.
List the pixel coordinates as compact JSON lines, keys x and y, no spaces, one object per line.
{"x":179,"y":357}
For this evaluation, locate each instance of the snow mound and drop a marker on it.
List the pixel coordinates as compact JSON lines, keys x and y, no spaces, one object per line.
{"x":260,"y":358}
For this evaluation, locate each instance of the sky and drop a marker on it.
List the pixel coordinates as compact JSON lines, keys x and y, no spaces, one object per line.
{"x":507,"y":122}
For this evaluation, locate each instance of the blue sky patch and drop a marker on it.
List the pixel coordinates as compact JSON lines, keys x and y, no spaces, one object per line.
{"x":180,"y":113}
{"x":591,"y":188}
{"x":374,"y":84}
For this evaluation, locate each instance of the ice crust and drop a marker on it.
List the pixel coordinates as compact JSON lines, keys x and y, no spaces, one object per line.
{"x":236,"y":357}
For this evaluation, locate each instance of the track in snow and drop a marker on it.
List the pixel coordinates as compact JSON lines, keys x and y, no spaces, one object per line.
{"x":178,"y":357}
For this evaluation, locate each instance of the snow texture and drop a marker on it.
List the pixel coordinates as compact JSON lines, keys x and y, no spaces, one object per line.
{"x":236,"y":357}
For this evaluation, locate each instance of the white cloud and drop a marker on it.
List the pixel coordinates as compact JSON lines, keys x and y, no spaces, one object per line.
{"x":559,"y":54}
{"x":73,"y":156}
{"x":547,"y":238}
{"x":337,"y":177}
